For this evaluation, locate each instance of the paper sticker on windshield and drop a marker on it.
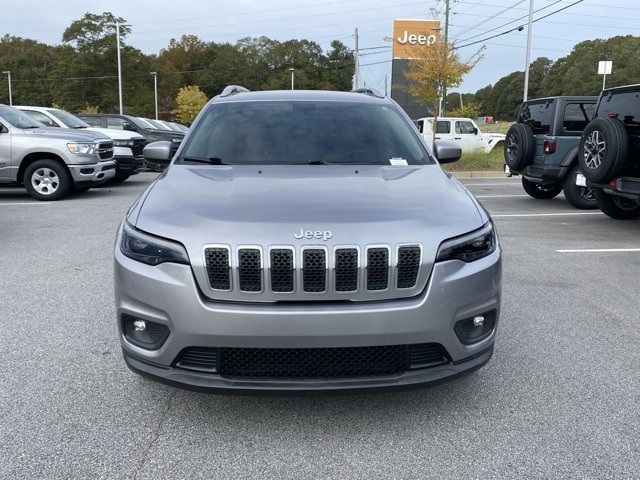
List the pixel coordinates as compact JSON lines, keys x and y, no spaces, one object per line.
{"x":397,"y":161}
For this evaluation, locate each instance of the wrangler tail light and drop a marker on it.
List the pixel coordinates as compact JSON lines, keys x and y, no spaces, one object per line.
{"x":549,"y":146}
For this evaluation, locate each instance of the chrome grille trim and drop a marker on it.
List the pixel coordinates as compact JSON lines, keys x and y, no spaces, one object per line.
{"x":266,"y":293}
{"x":240,"y":248}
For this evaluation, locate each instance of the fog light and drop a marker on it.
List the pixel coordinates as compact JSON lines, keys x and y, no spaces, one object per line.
{"x":144,"y":333}
{"x":476,"y":328}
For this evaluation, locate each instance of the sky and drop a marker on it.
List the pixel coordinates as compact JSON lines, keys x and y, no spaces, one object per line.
{"x":153,"y":23}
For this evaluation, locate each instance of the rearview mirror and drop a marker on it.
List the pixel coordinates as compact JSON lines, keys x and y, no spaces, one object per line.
{"x":128,"y":126}
{"x":157,"y":152}
{"x":447,"y":152}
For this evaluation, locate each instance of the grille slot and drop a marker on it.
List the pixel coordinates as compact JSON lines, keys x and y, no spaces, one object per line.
{"x":249,"y":270}
{"x":377,"y":268}
{"x":408,"y":266}
{"x":346,"y":269}
{"x":314,"y":270}
{"x":138,"y":146}
{"x":217,"y":260}
{"x":281,"y":266}
{"x":199,"y":359}
{"x":425,"y":355}
{"x":312,"y":363}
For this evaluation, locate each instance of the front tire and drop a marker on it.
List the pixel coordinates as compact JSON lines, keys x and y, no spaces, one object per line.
{"x":47,"y":180}
{"x":540,"y":191}
{"x":119,"y":179}
{"x":620,"y":208}
{"x":583,"y":198}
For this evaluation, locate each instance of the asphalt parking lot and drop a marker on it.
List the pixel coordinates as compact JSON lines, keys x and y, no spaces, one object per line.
{"x":559,"y":399}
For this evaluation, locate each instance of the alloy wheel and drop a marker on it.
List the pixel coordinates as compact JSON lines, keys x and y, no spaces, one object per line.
{"x":512,"y":147}
{"x":45,"y":181}
{"x":595,"y":148}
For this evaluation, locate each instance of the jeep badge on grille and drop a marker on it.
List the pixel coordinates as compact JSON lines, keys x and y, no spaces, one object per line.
{"x":319,"y":234}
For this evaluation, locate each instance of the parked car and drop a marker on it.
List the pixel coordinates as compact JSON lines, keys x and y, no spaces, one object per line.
{"x":463,"y":131}
{"x":306,"y":241}
{"x":543,"y":145}
{"x":610,"y":152}
{"x":127,"y":145}
{"x":131,"y":123}
{"x":50,"y":162}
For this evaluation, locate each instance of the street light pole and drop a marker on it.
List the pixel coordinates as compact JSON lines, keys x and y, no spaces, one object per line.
{"x":155,"y":91}
{"x":119,"y":68}
{"x":8,"y":74}
{"x":292,"y":70}
{"x":526,"y":70}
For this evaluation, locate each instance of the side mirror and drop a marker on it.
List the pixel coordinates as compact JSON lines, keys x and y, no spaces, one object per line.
{"x":128,"y":126}
{"x":158,"y":152}
{"x":474,"y":130}
{"x":447,"y":152}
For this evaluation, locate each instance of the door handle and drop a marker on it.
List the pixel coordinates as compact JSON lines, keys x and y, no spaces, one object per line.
{"x":457,"y":138}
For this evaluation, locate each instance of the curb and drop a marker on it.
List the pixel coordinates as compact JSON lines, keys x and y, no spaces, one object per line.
{"x":480,"y":174}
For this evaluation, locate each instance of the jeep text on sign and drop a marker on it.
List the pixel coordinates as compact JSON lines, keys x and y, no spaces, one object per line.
{"x":410,"y":37}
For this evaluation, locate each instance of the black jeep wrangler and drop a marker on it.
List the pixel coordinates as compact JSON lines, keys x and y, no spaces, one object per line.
{"x":610,"y":152}
{"x":543,"y":146}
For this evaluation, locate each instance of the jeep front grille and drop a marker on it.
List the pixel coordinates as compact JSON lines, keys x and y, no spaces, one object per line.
{"x":284,"y":272}
{"x":138,"y":146}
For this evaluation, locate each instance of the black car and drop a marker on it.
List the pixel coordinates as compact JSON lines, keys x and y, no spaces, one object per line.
{"x":610,"y":152}
{"x":129,"y":122}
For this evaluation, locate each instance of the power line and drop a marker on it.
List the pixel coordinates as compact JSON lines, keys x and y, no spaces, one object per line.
{"x":490,"y":18}
{"x":517,"y":28}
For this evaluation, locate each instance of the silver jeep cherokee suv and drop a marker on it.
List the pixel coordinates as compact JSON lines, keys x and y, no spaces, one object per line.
{"x":305,"y":240}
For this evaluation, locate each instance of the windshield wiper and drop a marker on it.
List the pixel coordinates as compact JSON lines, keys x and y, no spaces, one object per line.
{"x":209,"y":160}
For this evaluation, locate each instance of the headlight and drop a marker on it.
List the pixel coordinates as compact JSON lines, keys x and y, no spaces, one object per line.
{"x":469,"y":247}
{"x":123,"y":143}
{"x":82,"y":148}
{"x":150,"y":249}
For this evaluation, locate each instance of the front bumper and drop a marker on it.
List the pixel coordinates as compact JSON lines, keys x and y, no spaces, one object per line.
{"x":128,"y":165}
{"x":93,"y":174}
{"x":167,"y":294}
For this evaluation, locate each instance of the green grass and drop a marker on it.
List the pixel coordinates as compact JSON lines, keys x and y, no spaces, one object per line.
{"x":478,"y":161}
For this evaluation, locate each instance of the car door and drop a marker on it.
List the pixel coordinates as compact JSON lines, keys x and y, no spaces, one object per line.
{"x":466,"y":135}
{"x":443,"y":130}
{"x":5,"y":152}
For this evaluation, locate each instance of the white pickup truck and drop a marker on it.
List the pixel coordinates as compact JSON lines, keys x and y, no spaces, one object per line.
{"x":463,"y":131}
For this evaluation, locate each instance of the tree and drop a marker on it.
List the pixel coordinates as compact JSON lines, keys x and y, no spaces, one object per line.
{"x":468,"y":110}
{"x":189,"y":102}
{"x":437,"y":68}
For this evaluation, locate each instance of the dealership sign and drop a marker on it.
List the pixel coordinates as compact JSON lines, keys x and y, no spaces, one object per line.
{"x":411,"y":37}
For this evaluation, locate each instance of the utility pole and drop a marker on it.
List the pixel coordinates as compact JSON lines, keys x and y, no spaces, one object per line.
{"x":446,"y":41}
{"x":8,"y":74}
{"x":526,"y":69}
{"x":155,"y":90}
{"x":385,"y":85}
{"x":357,"y":61}
{"x":292,"y":70}
{"x":119,"y":68}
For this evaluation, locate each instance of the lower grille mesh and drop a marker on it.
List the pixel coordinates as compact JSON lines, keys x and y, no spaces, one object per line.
{"x":312,"y":363}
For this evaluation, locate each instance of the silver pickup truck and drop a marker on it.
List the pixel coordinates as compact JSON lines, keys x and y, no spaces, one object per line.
{"x":51,"y":162}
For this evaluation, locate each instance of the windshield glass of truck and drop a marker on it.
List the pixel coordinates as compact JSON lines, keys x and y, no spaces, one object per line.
{"x":300,"y":132}
{"x":538,"y":116}
{"x":71,"y":121}
{"x":19,"y":119}
{"x":625,"y":106}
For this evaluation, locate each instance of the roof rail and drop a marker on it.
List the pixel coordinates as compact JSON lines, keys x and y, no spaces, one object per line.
{"x":368,"y":91}
{"x":232,"y":90}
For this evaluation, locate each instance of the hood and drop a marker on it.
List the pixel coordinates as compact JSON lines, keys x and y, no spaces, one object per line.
{"x":69,"y":134}
{"x":269,"y":205}
{"x":115,"y":134}
{"x":154,"y":135}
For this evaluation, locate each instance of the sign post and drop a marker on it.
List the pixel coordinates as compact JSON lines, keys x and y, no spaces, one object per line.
{"x":604,"y":69}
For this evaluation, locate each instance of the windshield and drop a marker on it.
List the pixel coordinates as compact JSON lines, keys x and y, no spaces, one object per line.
{"x":302,"y":132}
{"x":138,"y":122}
{"x":19,"y":119}
{"x":71,"y":121}
{"x":156,"y":124}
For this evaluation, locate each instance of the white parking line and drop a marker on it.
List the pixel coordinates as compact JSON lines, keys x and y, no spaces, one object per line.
{"x":3,"y":204}
{"x":491,"y":184}
{"x":500,"y":196}
{"x":544,"y":214}
{"x":599,"y":250}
